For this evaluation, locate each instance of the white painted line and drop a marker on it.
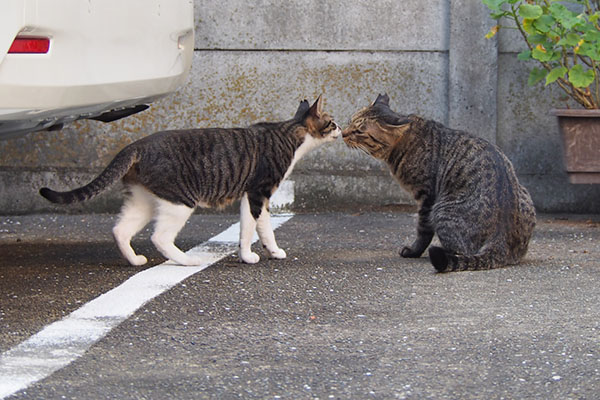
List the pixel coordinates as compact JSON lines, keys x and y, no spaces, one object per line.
{"x":62,"y":342}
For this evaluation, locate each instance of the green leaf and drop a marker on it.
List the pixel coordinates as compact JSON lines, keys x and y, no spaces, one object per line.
{"x":571,"y":39}
{"x":536,"y":75}
{"x":498,"y":15}
{"x":556,"y":56}
{"x":494,"y":4}
{"x":581,"y":78}
{"x":541,"y":54}
{"x":524,"y":55}
{"x":530,"y":11}
{"x":592,"y":36}
{"x":537,"y":39}
{"x":555,"y":74}
{"x":544,"y":23}
{"x":563,"y":15}
{"x":528,"y":26}
{"x":591,"y":50}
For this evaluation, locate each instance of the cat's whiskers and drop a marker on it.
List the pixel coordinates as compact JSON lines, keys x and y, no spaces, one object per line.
{"x":359,"y":147}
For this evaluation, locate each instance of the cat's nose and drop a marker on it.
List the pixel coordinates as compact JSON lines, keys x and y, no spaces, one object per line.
{"x":336,"y":133}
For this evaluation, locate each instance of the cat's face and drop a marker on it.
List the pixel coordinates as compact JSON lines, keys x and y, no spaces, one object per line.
{"x":375,"y":129}
{"x":319,"y":124}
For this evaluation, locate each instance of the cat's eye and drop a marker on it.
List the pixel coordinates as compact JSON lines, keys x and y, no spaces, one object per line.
{"x":362,"y":127}
{"x":330,"y":126}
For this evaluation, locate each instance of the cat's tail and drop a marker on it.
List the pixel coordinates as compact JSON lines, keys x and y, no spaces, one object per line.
{"x":115,"y":170}
{"x":444,"y":261}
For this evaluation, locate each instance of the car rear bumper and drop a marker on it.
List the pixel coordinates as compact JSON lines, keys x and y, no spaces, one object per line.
{"x":103,"y":55}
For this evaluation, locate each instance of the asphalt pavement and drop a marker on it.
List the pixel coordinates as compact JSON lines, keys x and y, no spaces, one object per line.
{"x":343,"y":317}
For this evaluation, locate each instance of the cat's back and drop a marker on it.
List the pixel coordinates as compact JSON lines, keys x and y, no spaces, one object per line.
{"x":188,"y":166}
{"x":455,"y":145}
{"x":465,"y":160}
{"x":207,"y":140}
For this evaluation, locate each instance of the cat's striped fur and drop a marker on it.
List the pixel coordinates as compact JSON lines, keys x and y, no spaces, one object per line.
{"x":466,"y":189}
{"x":169,"y":173}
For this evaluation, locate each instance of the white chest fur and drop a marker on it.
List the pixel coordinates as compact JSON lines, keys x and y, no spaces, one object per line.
{"x":306,"y":146}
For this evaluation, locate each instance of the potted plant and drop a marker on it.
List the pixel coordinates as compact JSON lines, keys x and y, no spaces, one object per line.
{"x":564,"y":38}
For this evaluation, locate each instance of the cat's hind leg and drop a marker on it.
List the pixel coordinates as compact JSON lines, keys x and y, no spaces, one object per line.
{"x":136,"y":212}
{"x":266,"y":234}
{"x":247,"y":229}
{"x":466,"y":244}
{"x":441,"y":260}
{"x":170,"y":218}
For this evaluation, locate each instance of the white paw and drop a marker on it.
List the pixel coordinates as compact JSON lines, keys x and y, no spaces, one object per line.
{"x":249,"y":257}
{"x":138,"y":260}
{"x":279,"y":254}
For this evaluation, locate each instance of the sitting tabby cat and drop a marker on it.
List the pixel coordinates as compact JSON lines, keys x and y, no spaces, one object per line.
{"x":466,"y":189}
{"x":169,"y":173}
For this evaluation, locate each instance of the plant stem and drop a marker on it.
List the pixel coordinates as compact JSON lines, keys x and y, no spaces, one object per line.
{"x":515,"y":18}
{"x":586,"y":62}
{"x":596,"y":81}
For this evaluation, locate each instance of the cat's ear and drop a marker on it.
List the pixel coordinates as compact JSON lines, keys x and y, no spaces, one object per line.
{"x":312,"y":118}
{"x":302,"y":109}
{"x":382,"y":99}
{"x":316,"y":109}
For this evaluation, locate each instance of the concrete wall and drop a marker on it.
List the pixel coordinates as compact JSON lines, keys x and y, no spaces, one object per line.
{"x":257,"y":61}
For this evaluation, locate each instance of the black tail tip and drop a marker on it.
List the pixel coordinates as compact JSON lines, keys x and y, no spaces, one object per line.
{"x":438,"y":258}
{"x":50,"y":195}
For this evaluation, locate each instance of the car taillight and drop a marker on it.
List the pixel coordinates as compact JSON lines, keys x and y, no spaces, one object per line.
{"x":29,"y":45}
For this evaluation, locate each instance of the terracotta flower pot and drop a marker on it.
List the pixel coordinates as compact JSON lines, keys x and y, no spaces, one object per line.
{"x":580,"y":131}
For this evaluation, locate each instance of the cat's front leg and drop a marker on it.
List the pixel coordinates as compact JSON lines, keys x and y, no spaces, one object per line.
{"x":424,"y":234}
{"x":247,"y":229}
{"x":266,"y":235}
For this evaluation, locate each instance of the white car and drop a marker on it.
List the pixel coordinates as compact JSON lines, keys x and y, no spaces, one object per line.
{"x":63,"y":60}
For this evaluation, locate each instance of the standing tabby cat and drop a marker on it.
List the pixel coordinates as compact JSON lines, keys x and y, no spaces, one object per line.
{"x":169,"y":173}
{"x":466,"y":189}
